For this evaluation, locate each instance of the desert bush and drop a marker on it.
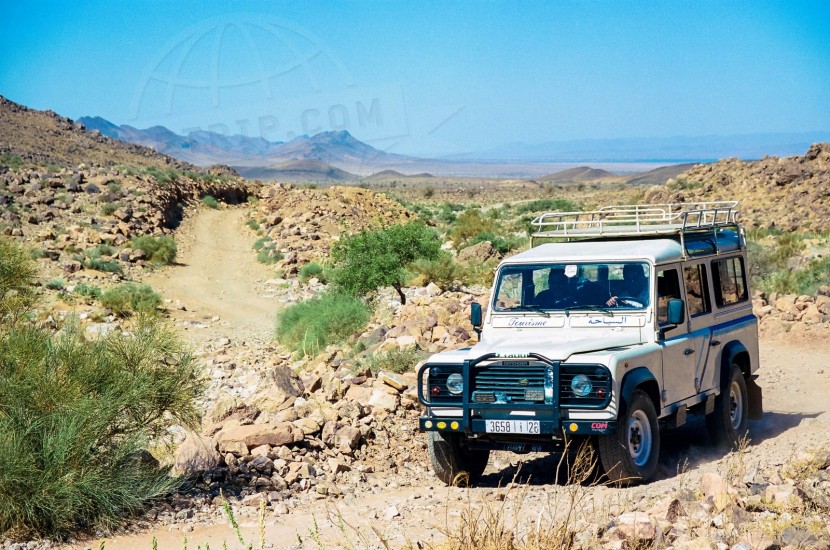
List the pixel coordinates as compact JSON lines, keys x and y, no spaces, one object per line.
{"x":160,"y":250}
{"x":468,"y":224}
{"x":210,"y":201}
{"x":55,"y":284}
{"x":91,"y":292}
{"x":479,"y":273}
{"x":394,"y":360}
{"x":378,"y":258}
{"x":128,"y":298}
{"x":311,"y":270}
{"x":108,"y":208}
{"x":308,"y":327}
{"x":10,"y":160}
{"x":163,"y":176}
{"x":547,"y":205}
{"x":443,"y":271}
{"x":17,"y":271}
{"x":74,"y":418}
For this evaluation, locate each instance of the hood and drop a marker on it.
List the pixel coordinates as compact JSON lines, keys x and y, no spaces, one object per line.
{"x":555,"y":347}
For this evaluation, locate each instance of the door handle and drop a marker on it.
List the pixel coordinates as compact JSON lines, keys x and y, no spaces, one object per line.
{"x":688,"y":351}
{"x":714,"y":343}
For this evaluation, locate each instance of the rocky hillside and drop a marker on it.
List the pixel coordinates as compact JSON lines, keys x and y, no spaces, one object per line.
{"x":788,"y":193}
{"x":76,"y":195}
{"x":303,"y":223}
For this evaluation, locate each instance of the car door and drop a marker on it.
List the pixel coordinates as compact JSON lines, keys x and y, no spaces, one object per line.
{"x":677,"y":345}
{"x":699,"y":318}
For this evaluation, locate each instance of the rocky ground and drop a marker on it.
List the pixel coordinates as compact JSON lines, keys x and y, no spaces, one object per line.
{"x":326,"y":452}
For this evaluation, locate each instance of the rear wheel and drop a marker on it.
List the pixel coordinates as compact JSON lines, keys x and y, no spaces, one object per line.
{"x":630,"y":455}
{"x":452,"y":462}
{"x":727,"y":423}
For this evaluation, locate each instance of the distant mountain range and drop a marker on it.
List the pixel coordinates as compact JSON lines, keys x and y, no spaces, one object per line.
{"x":340,"y":157}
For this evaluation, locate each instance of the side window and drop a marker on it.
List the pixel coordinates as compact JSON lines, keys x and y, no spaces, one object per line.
{"x":668,"y":287}
{"x":730,"y":281}
{"x":697,"y":293}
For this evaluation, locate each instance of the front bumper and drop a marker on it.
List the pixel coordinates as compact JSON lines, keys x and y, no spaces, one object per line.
{"x":473,"y":415}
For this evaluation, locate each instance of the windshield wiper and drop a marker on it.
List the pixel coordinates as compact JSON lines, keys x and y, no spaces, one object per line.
{"x":601,"y":309}
{"x":528,"y":307}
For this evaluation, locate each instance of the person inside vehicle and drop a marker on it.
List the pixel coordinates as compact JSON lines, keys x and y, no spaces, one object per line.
{"x":556,"y":294}
{"x":634,"y":289}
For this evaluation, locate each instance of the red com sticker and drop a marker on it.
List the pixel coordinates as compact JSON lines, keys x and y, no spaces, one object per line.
{"x":599,"y":426}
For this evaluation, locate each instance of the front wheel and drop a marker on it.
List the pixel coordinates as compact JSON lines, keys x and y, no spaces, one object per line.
{"x":453,"y":463}
{"x":727,"y":423}
{"x":630,"y":455}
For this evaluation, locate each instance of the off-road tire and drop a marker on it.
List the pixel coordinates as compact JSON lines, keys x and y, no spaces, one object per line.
{"x":452,"y":462}
{"x":630,"y":455}
{"x":727,"y":423}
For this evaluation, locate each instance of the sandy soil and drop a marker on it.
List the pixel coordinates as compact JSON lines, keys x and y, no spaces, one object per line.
{"x":218,"y":275}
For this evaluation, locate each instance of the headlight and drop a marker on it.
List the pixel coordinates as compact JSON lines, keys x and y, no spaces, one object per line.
{"x":581,"y":385}
{"x":455,"y":383}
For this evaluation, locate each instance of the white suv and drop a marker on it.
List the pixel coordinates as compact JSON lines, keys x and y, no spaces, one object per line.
{"x":636,"y":317}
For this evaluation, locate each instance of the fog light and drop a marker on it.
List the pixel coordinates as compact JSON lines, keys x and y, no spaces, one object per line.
{"x":436,"y":391}
{"x":601,"y":393}
{"x":581,"y":385}
{"x":455,"y":383}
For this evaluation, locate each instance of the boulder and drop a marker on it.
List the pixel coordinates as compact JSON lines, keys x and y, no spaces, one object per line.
{"x":480,"y":252}
{"x":197,"y":453}
{"x":254,"y":435}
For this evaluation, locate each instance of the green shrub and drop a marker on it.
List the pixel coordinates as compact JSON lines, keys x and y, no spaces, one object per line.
{"x":394,"y":360}
{"x":547,"y":205}
{"x":311,"y":270}
{"x":308,"y":327}
{"x":103,"y":265}
{"x":379,"y":257}
{"x":74,"y":418}
{"x":128,"y":298}
{"x":253,"y":224}
{"x":269,"y":256}
{"x":480,"y":273}
{"x":11,"y":160}
{"x":17,"y":271}
{"x":443,"y":271}
{"x":160,"y":250}
{"x":91,"y":292}
{"x":163,"y":176}
{"x":469,"y":224}
{"x":210,"y":201}
{"x":108,"y":208}
{"x":55,"y":284}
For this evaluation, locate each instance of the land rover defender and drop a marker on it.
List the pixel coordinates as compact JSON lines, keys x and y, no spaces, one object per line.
{"x":615,"y":323}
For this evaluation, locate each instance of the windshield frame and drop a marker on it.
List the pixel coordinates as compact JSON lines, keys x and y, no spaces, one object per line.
{"x":585,"y":289}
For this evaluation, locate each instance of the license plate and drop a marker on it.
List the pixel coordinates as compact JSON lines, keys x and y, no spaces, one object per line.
{"x":512,"y":427}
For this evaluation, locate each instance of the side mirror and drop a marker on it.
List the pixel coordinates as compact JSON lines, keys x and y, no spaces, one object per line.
{"x":475,"y":317}
{"x":676,"y":311}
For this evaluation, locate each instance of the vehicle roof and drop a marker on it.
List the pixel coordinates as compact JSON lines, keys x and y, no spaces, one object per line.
{"x":657,"y":251}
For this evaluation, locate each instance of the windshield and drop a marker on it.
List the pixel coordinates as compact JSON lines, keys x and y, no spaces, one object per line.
{"x":573,"y":286}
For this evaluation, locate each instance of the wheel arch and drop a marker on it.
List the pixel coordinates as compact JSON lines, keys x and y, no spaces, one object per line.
{"x":735,"y":353}
{"x":639,"y":378}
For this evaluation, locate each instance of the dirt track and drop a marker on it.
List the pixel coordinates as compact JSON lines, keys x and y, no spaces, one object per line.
{"x":218,"y":275}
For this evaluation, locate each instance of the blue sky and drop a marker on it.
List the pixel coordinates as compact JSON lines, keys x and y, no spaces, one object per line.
{"x":426,"y":77}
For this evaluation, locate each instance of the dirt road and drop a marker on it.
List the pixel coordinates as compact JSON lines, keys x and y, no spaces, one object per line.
{"x":219,"y":276}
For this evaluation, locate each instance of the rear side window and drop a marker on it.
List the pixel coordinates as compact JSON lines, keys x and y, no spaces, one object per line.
{"x":730,"y":281}
{"x":697,"y":294}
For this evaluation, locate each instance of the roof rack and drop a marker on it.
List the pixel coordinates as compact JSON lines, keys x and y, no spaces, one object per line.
{"x":637,"y":220}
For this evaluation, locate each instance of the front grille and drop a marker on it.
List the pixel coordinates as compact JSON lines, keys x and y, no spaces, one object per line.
{"x":510,"y":378}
